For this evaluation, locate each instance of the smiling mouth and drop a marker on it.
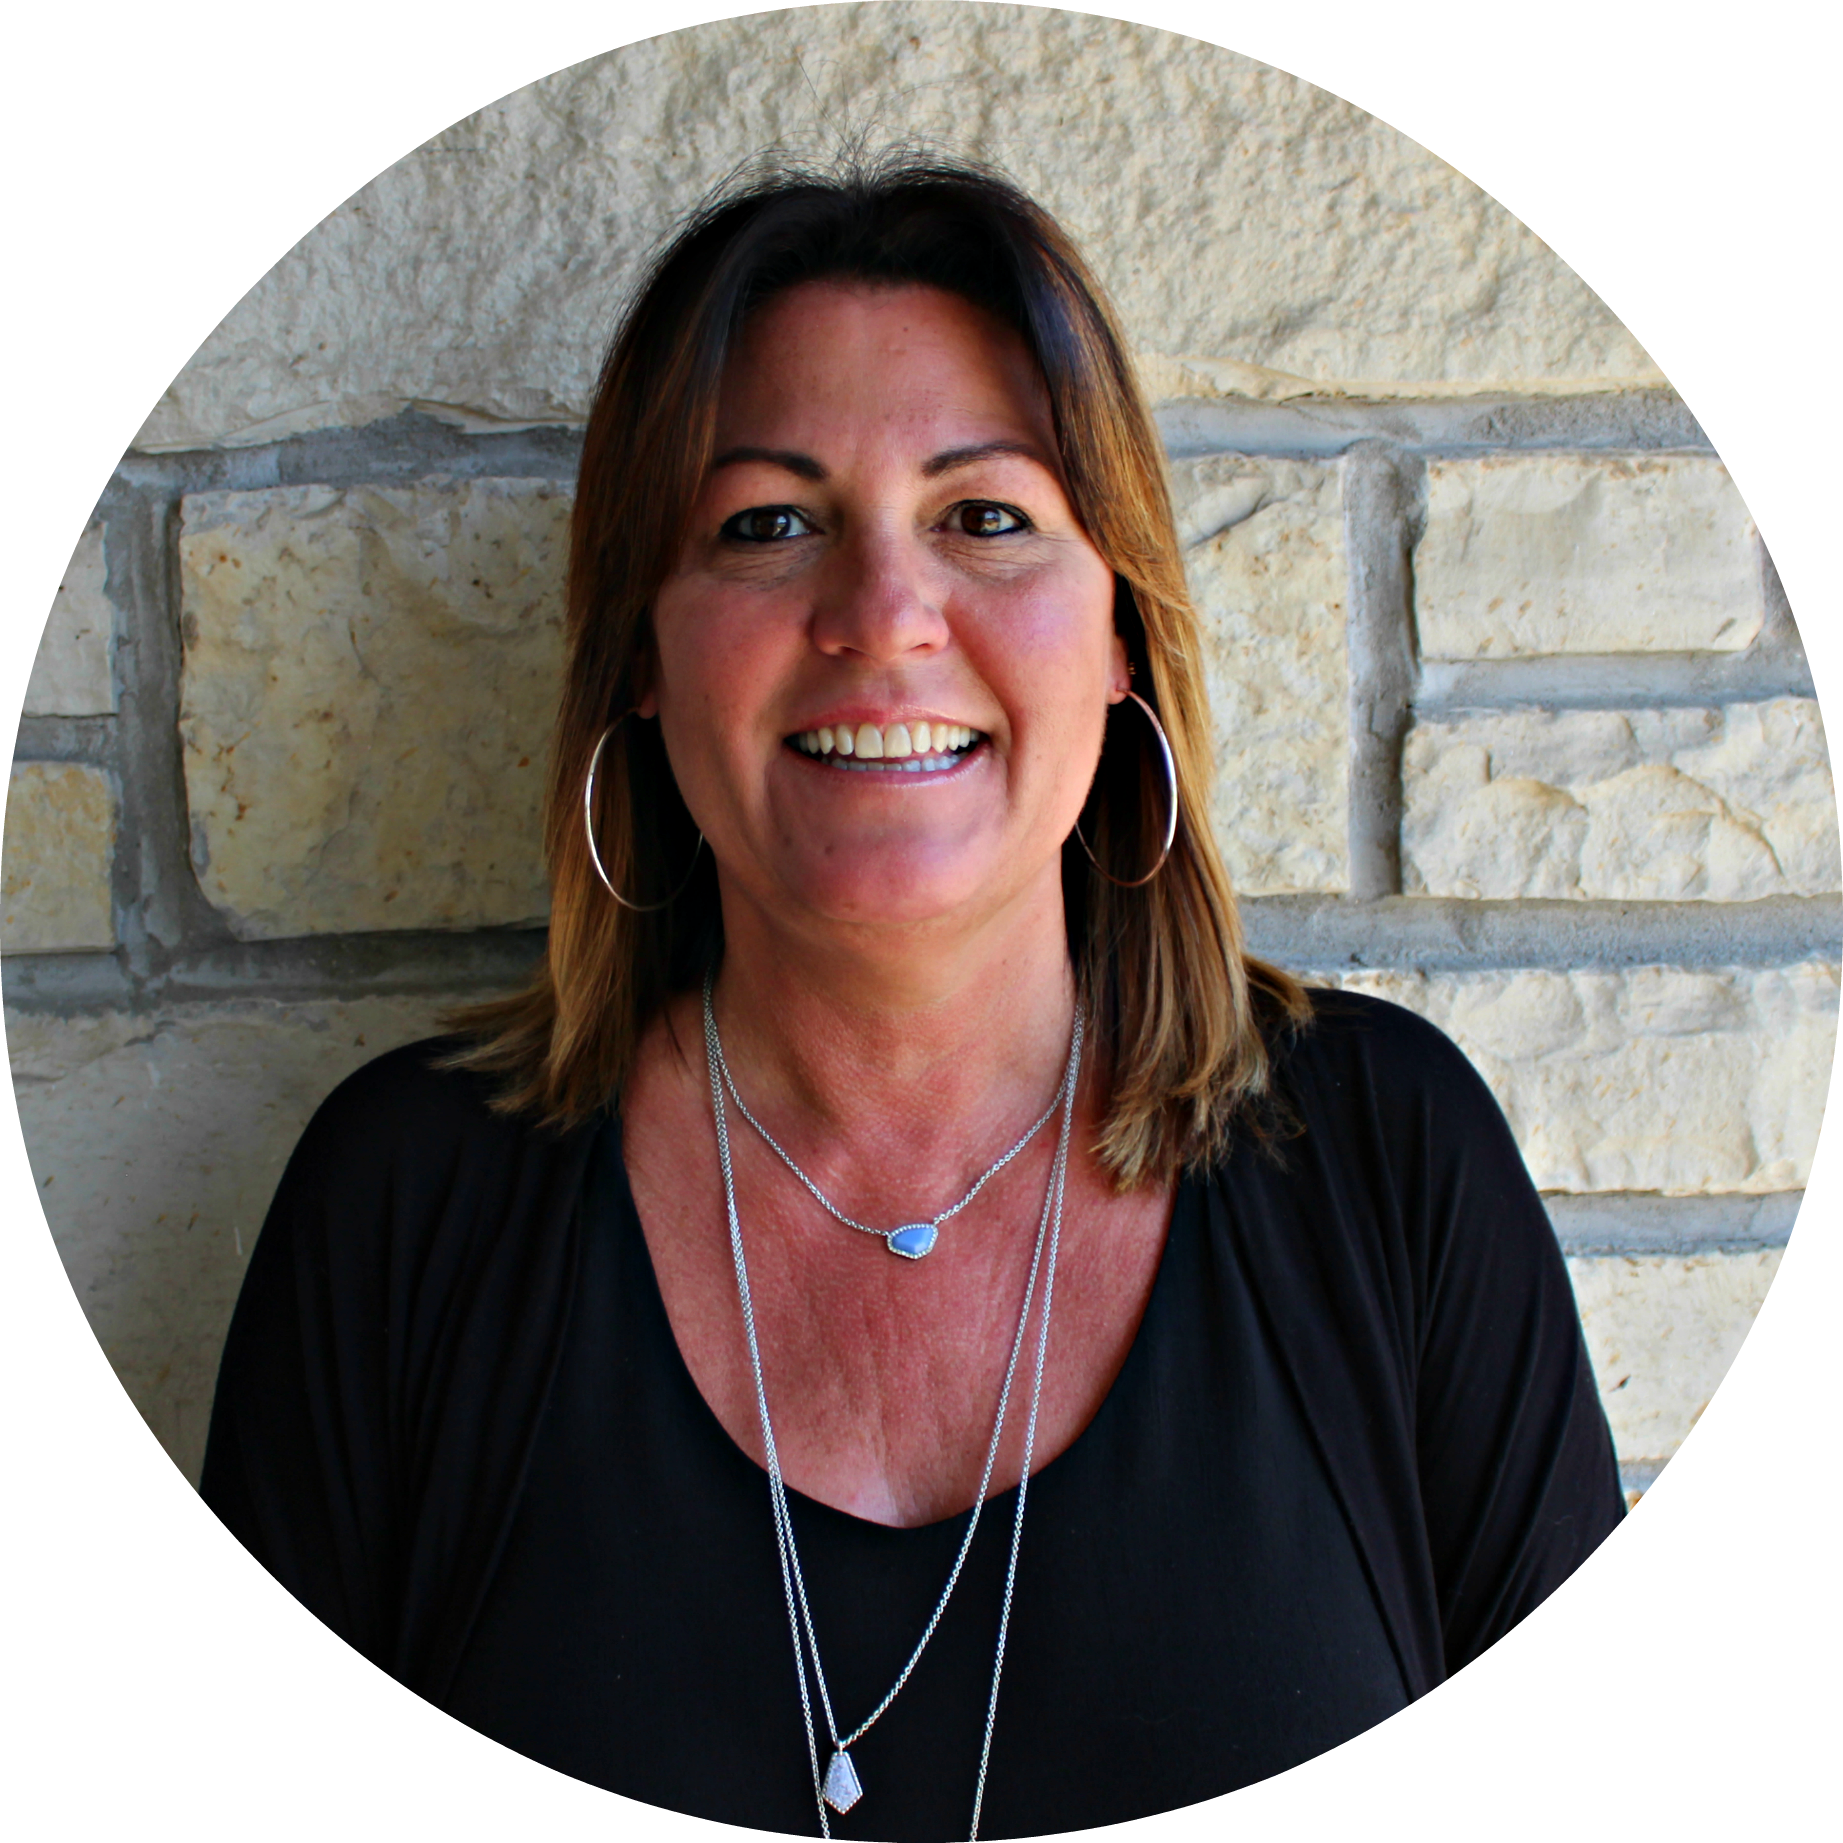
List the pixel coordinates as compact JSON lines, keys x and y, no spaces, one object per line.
{"x":889,"y":748}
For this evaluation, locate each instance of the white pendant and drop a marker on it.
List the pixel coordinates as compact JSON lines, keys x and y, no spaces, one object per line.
{"x":841,"y":1787}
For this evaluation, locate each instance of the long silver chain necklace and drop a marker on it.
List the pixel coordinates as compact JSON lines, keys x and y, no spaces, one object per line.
{"x":913,"y":1239}
{"x":839,"y":1787}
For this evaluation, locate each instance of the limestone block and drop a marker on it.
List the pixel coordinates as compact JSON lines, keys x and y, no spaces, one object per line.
{"x":1657,"y":1078}
{"x":369,"y":684}
{"x":156,"y":1143}
{"x":1233,"y":211}
{"x":1662,"y":1331}
{"x":1728,"y":804}
{"x":60,"y":846}
{"x":1265,"y":563}
{"x":1562,"y":553}
{"x":71,"y":675}
{"x":1196,"y":378}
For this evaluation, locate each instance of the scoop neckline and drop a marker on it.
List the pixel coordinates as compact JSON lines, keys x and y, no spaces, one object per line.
{"x":610,"y":1144}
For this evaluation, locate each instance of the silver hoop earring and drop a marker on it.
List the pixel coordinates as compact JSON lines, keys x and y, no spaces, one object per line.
{"x":1164,"y":751}
{"x":588,"y":826}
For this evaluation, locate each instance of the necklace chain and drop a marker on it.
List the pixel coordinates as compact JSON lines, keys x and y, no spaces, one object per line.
{"x":793,"y":1583}
{"x":913,"y":1230}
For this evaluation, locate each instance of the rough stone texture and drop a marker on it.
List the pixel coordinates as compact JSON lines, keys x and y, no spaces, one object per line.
{"x":1585,"y":554}
{"x":60,"y":844}
{"x":370,"y":680}
{"x":1727,"y":804}
{"x":1658,"y":1078}
{"x":1265,"y":561}
{"x":71,"y":674}
{"x":157,"y":1143}
{"x":1198,"y":380}
{"x":1235,"y":213}
{"x":1642,"y":1222}
{"x":1662,"y":1331}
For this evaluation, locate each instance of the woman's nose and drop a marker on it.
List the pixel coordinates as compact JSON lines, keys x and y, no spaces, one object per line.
{"x":878,"y":603}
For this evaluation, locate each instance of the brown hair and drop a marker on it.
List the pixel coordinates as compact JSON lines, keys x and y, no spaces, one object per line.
{"x":1180,"y":1016}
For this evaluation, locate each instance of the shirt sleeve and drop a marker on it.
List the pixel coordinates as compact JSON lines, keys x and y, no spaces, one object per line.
{"x":1518,"y":1479}
{"x":391,"y":1353}
{"x":298,"y":1461}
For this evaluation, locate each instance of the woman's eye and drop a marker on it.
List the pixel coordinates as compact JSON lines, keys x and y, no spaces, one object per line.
{"x":767,"y":525}
{"x":980,"y":518}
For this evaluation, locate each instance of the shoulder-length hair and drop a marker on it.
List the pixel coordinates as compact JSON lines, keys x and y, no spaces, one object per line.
{"x":1181,"y":1019}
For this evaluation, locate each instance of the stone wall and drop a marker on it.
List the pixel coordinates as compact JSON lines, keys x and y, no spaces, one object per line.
{"x":1513,"y":726}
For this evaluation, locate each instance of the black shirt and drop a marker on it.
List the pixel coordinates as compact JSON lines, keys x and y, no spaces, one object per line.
{"x":1355,"y":1439}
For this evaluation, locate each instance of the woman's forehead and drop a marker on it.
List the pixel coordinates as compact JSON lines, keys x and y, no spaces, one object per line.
{"x":837,"y":359}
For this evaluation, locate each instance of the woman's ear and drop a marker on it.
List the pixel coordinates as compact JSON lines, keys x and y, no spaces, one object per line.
{"x":1120,"y":673}
{"x":645,"y":683}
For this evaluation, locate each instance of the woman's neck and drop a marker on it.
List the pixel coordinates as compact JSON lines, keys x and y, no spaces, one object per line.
{"x":917,"y":1043}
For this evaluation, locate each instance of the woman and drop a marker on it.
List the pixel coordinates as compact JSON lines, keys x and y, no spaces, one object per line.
{"x":897,"y":1140}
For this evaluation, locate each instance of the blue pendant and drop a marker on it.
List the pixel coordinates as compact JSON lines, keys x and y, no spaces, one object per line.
{"x":913,"y":1240}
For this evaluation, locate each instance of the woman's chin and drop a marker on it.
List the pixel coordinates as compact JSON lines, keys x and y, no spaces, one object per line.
{"x":899,"y":861}
{"x":894,"y":890}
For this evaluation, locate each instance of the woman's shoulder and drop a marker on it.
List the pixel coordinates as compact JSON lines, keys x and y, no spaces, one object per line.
{"x":1365,"y":1068}
{"x":422,"y":1098}
{"x":1355,"y":1033}
{"x":419,"y":1081}
{"x":411,"y":1166}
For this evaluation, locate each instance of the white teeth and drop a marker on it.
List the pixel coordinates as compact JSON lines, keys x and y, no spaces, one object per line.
{"x":916,"y":748}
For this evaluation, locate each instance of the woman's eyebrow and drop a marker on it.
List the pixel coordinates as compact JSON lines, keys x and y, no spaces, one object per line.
{"x":983,"y":451}
{"x":789,"y":459}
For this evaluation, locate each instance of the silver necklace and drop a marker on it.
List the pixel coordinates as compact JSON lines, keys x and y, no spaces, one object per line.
{"x":839,"y":1786}
{"x":913,"y":1239}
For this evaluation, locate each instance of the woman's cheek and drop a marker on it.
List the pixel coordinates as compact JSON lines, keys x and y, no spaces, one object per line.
{"x":1055,"y":645}
{"x":712,"y":644}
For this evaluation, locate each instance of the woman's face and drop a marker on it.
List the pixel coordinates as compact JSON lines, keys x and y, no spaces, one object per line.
{"x":884,"y":658}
